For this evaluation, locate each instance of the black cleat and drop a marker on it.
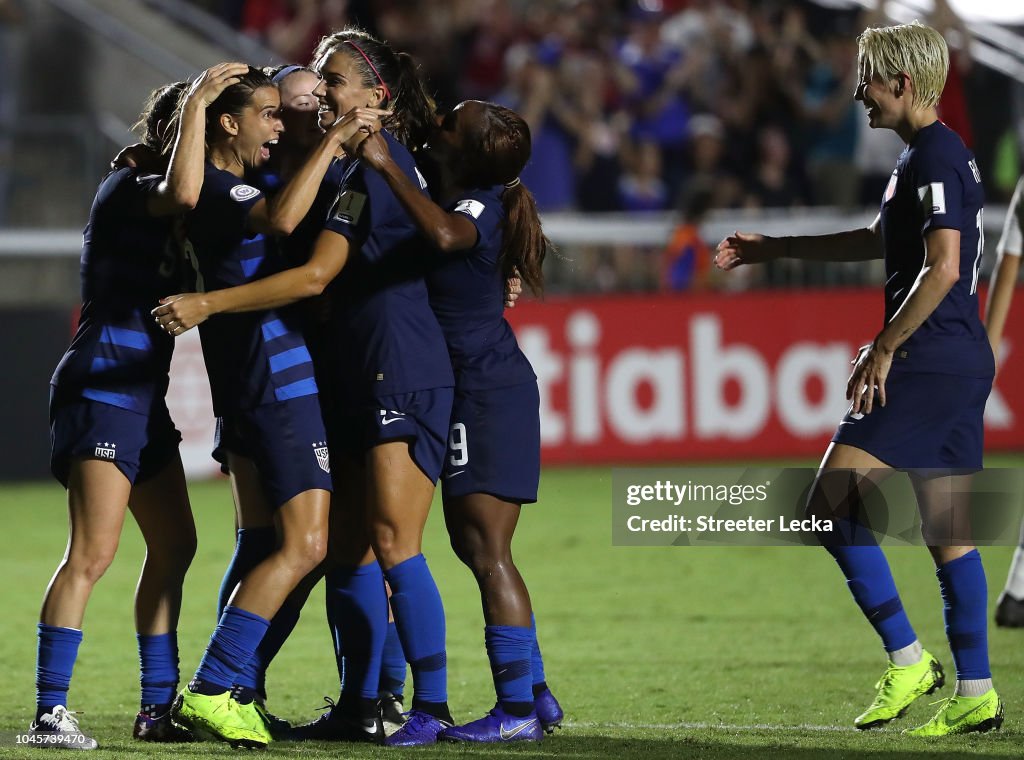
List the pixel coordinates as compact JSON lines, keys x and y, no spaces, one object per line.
{"x":161,"y":729}
{"x":391,"y":710}
{"x":1009,"y":611}
{"x":336,"y":726}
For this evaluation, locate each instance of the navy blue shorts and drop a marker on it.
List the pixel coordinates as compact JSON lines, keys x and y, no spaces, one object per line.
{"x":421,"y":417}
{"x":928,"y":421}
{"x":494,"y":444}
{"x":140,"y":445}
{"x":287,"y":442}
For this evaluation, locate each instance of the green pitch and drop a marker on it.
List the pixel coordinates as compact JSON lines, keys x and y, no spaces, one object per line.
{"x":653,"y":653}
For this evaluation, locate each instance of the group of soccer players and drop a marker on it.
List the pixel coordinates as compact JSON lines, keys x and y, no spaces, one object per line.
{"x":347,"y":319}
{"x":347,"y":274}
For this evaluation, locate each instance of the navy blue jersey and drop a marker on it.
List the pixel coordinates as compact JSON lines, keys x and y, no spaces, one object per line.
{"x":388,"y":338}
{"x":119,"y":355}
{"x":467,"y":293}
{"x":936,"y":185}
{"x":252,"y":358}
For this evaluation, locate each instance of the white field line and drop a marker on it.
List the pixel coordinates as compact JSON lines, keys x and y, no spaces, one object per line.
{"x":711,"y":726}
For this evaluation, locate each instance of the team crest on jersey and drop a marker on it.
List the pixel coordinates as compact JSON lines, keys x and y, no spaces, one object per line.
{"x":890,"y":189}
{"x":470,"y":207}
{"x":243,"y":193}
{"x":323,"y":457}
{"x":106,"y":450}
{"x":348,"y":206}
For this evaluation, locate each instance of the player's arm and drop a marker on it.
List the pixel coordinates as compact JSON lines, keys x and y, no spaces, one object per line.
{"x":180,"y":188}
{"x":939,"y":274}
{"x":281,"y":214}
{"x":445,"y":230}
{"x":181,"y":312}
{"x":863,"y":244}
{"x":1004,"y":275}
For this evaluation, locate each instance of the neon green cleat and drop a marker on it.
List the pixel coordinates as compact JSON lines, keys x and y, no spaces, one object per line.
{"x":964,"y":715}
{"x":899,"y":687}
{"x":221,"y":718}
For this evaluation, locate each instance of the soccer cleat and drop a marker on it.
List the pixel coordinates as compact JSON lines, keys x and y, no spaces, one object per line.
{"x":277,"y":727}
{"x":420,"y":728}
{"x":496,"y":727}
{"x":964,"y":715}
{"x":221,"y":718}
{"x":1009,"y":611}
{"x":161,"y":729}
{"x":899,"y":687}
{"x":391,"y":712}
{"x":548,"y":711}
{"x":336,"y":726}
{"x":59,"y":728}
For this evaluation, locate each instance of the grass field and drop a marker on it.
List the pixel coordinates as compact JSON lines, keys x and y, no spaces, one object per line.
{"x":654,"y":653}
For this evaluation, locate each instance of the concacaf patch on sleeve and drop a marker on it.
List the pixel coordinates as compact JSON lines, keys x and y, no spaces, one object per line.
{"x":470,"y":207}
{"x":348,"y":206}
{"x":933,"y":198}
{"x":242,"y":193}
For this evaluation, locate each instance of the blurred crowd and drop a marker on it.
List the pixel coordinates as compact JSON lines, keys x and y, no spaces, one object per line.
{"x":649,"y":105}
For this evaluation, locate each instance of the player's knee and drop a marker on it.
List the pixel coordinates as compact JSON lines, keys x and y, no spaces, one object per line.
{"x":90,"y":564}
{"x":173,"y":553}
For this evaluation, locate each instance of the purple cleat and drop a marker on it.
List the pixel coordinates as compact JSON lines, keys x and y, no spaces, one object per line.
{"x":420,"y":728}
{"x":496,"y":727}
{"x":549,"y":711}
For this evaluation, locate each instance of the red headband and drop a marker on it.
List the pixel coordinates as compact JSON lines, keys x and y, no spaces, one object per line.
{"x":370,"y":64}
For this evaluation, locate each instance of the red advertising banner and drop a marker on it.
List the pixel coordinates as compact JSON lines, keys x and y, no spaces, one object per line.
{"x":703,"y":377}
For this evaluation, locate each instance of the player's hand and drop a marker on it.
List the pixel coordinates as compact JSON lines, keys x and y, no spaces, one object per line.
{"x":513,"y":289}
{"x":747,"y":248}
{"x":870,"y":369}
{"x":180,"y":313}
{"x":374,"y":151}
{"x":352,"y":128}
{"x":137,"y":156}
{"x":208,"y":86}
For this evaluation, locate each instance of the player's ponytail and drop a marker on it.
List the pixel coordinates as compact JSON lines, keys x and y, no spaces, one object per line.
{"x":157,"y":124}
{"x":413,"y":104}
{"x":524,"y":244}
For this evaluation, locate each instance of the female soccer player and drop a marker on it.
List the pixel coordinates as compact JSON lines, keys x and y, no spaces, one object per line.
{"x":113,"y":441}
{"x":392,"y":383}
{"x":261,"y":380}
{"x":918,"y":390}
{"x":1010,"y":607}
{"x":487,"y":228}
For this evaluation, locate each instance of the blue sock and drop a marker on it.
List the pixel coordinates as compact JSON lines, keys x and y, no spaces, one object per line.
{"x":964,"y":599}
{"x":158,"y":668}
{"x":419,"y":617}
{"x":392,"y":667}
{"x":252,"y":546}
{"x":870,"y":581}
{"x":536,"y":660}
{"x":232,"y":644}
{"x":55,"y":659}
{"x":509,"y":648}
{"x":254,"y":674}
{"x":361,"y":617}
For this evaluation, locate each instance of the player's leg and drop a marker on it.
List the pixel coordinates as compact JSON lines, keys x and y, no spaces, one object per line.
{"x":393,"y":666}
{"x":1010,"y":606}
{"x":974,"y":707}
{"x":206,"y":704}
{"x":399,"y":494}
{"x":356,"y":613}
{"x":846,"y":475}
{"x":160,"y":506}
{"x":481,"y":527}
{"x":97,"y":501}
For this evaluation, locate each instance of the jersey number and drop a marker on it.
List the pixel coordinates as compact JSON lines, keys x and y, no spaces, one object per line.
{"x":980,"y":221}
{"x":190,"y":254}
{"x":458,"y":445}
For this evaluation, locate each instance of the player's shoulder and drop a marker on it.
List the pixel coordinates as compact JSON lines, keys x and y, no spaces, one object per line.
{"x":478,"y":201}
{"x":938,"y":145}
{"x":219,"y":181}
